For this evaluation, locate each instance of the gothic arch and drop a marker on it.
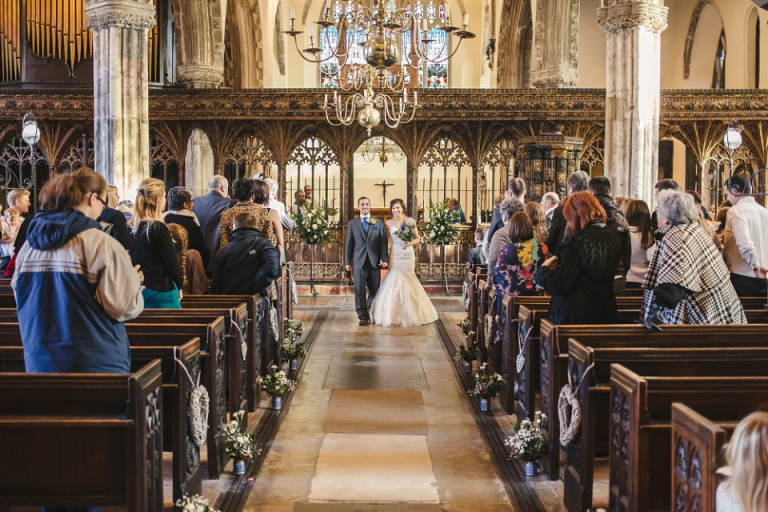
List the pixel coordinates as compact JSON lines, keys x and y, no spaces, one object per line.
{"x":199,"y":34}
{"x":243,"y":59}
{"x":752,"y":48}
{"x":515,"y":41}
{"x":701,"y":43}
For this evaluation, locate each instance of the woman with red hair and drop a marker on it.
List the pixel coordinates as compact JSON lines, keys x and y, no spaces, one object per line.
{"x":581,"y":280}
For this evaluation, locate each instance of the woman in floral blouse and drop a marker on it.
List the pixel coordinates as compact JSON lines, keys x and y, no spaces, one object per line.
{"x":518,"y":261}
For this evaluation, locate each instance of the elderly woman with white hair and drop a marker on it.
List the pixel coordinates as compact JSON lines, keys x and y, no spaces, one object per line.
{"x":279,"y":206}
{"x":687,"y":281}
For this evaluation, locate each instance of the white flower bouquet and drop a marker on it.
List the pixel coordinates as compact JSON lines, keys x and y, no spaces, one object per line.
{"x":528,"y":444}
{"x":277,"y":383}
{"x":439,"y":229}
{"x":293,"y":329}
{"x":314,"y":223}
{"x":240,"y":445}
{"x":484,"y":383}
{"x":291,"y":350}
{"x":194,"y":503}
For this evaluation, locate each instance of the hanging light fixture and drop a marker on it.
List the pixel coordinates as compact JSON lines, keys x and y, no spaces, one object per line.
{"x":371,"y":92}
{"x":380,"y":146}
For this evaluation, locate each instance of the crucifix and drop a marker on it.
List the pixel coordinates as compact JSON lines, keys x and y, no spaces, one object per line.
{"x":384,"y":186}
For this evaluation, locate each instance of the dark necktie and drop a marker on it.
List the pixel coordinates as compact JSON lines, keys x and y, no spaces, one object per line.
{"x":365,"y":224}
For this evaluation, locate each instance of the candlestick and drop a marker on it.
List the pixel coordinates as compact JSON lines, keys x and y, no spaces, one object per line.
{"x":424,"y":27}
{"x":466,"y":20}
{"x":293,"y":12}
{"x":447,"y":10}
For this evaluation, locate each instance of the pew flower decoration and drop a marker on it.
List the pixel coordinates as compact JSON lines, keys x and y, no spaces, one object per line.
{"x":528,"y":443}
{"x":292,"y":350}
{"x":439,"y":229}
{"x":293,"y":329}
{"x":467,"y":354}
{"x":484,"y":383}
{"x":314,"y":223}
{"x":276,"y":384}
{"x":195,"y":503}
{"x":240,"y":445}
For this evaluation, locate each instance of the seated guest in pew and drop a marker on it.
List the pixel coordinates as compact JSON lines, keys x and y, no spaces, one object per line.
{"x":192,"y":268}
{"x":249,"y":263}
{"x":517,"y":262}
{"x":581,"y":279}
{"x":687,"y":281}
{"x":153,"y":248}
{"x":507,"y":208}
{"x":641,"y":236}
{"x":11,"y":222}
{"x":74,"y":284}
{"x":476,"y":256}
{"x":746,"y":490}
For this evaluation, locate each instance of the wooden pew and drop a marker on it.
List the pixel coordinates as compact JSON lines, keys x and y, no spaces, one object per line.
{"x":82,"y":439}
{"x":590,"y":368}
{"x":641,"y":428}
{"x":263,"y":351}
{"x":484,"y":295}
{"x":697,"y":454}
{"x":554,"y":357}
{"x":212,"y":357}
{"x":177,"y":438}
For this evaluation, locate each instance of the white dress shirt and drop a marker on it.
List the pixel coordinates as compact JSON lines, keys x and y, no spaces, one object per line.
{"x":746,"y":237}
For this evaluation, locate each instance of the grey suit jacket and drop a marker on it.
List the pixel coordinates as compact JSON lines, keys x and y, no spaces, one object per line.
{"x":360,"y":247}
{"x":208,"y":209}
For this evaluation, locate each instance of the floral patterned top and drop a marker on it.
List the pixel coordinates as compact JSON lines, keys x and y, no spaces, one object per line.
{"x":515,"y":267}
{"x":264,"y":223}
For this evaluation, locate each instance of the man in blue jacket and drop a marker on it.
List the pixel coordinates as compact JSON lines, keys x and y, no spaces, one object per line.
{"x":248,"y":264}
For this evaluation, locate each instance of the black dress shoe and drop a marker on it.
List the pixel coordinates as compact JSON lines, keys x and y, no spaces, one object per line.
{"x":364,"y":321}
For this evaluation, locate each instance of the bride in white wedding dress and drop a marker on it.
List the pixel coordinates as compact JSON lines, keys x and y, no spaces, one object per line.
{"x":401,"y":300}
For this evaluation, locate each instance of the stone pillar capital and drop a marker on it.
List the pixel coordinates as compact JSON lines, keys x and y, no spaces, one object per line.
{"x":564,"y":76}
{"x":119,"y":13}
{"x":200,"y":76}
{"x":615,"y":17}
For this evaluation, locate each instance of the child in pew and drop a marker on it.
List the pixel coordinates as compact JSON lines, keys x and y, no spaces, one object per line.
{"x":190,"y":260}
{"x":747,"y":455}
{"x":249,"y":263}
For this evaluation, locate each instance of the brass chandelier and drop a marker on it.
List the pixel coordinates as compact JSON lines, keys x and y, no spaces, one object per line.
{"x":372,"y":91}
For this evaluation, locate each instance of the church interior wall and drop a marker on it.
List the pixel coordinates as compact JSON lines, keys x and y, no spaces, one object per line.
{"x":591,"y":47}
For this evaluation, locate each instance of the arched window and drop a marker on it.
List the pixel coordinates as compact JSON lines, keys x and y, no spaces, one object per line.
{"x":432,"y":75}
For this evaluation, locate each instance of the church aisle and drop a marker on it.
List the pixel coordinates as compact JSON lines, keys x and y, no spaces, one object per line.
{"x":377,"y":423}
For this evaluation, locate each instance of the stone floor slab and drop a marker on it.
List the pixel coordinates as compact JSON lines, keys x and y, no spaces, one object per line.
{"x":364,"y":468}
{"x":365,"y":507}
{"x":376,"y":412}
{"x":377,"y":372}
{"x":378,"y":346}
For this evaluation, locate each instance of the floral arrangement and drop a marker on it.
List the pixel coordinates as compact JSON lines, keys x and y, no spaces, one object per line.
{"x":406,"y":232}
{"x":240,"y":445}
{"x":528,"y":444}
{"x":467,"y":354}
{"x":277,"y":383}
{"x":292,"y":329}
{"x":314,"y":223}
{"x":291,"y":350}
{"x":194,"y":503}
{"x":484,"y":383}
{"x":439,"y":229}
{"x":464,"y":326}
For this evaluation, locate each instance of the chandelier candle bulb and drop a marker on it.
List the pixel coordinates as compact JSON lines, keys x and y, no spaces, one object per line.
{"x":466,"y":21}
{"x":447,"y":11}
{"x":424,"y":27}
{"x":293,"y":13}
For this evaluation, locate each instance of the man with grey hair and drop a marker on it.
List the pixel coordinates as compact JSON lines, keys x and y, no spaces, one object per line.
{"x":515,"y":189}
{"x":208,"y":209}
{"x":507,"y":209}
{"x":549,"y":202}
{"x":687,"y":280}
{"x":577,"y":182}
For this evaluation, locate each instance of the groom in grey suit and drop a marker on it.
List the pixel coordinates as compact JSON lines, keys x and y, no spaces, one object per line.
{"x":366,"y":252}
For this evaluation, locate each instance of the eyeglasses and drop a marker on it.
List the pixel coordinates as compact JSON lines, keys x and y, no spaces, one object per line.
{"x":103,"y":203}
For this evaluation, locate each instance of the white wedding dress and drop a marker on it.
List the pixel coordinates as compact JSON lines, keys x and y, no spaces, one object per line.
{"x":401,"y":300}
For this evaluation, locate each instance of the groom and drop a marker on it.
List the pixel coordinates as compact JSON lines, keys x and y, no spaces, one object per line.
{"x":366,"y":253}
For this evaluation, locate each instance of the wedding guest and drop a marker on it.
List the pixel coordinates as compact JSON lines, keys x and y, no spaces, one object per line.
{"x":153,"y":248}
{"x":274,"y":204}
{"x":476,"y":256}
{"x":113,"y":221}
{"x":455,"y":208}
{"x":244,"y":190}
{"x":746,"y":490}
{"x":191,"y":263}
{"x":641,"y":236}
{"x":699,"y":203}
{"x":550,"y":201}
{"x":208,"y":209}
{"x":580,"y":279}
{"x":308,"y":199}
{"x":300,"y":201}
{"x":261,"y":196}
{"x":687,"y":281}
{"x":249,"y":263}
{"x":19,"y":199}
{"x":665,"y":184}
{"x":516,"y":189}
{"x":600,"y":187}
{"x":706,"y":222}
{"x":11,"y":222}
{"x":507,"y":209}
{"x":538,"y":220}
{"x":722,"y":215}
{"x":180,"y":204}
{"x":576,"y":182}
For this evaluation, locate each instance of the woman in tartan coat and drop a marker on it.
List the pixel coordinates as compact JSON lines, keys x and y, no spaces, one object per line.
{"x":687,"y":281}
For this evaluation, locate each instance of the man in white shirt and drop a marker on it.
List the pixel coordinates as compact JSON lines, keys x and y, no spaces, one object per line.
{"x":745,"y":239}
{"x":549,"y":201}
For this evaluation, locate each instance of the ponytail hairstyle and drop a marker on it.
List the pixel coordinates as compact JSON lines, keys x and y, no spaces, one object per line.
{"x":70,"y":190}
{"x":147,"y":206}
{"x":180,"y":244}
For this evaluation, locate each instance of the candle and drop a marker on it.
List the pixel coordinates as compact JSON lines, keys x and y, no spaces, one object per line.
{"x":424,"y":26}
{"x":327,"y":8}
{"x":293,"y":12}
{"x":466,"y":20}
{"x":325,"y":101}
{"x":447,"y":11}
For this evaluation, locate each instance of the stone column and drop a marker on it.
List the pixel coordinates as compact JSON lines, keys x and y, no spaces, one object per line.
{"x":121,"y":91}
{"x":556,"y":44}
{"x":199,"y":162}
{"x":633,"y":91}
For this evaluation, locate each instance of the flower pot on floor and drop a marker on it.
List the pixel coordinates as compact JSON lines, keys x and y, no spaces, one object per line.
{"x":531,"y":469}
{"x":277,"y":402}
{"x":239,"y":467}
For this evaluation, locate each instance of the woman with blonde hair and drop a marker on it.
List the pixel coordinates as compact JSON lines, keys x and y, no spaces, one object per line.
{"x":153,"y":248}
{"x":113,"y":221}
{"x":538,"y":218}
{"x":190,"y":260}
{"x":747,"y":455}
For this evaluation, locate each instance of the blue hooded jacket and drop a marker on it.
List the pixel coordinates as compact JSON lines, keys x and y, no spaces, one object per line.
{"x":64,"y":327}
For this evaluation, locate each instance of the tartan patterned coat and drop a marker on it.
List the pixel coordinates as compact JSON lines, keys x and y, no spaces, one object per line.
{"x":687,"y":256}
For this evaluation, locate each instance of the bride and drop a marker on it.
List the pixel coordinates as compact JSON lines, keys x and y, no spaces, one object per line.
{"x":401,"y":300}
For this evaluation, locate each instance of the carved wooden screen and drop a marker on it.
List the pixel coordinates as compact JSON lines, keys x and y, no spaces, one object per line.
{"x":717,"y":169}
{"x":313,"y":163}
{"x":16,"y":169}
{"x":249,"y":157}
{"x":79,"y":155}
{"x":498,"y":168}
{"x":164,"y":164}
{"x":445,"y":173}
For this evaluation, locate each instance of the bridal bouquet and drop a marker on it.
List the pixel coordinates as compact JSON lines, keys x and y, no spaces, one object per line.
{"x":528,"y":444}
{"x":406,"y":232}
{"x":439,"y":229}
{"x":314,"y":223}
